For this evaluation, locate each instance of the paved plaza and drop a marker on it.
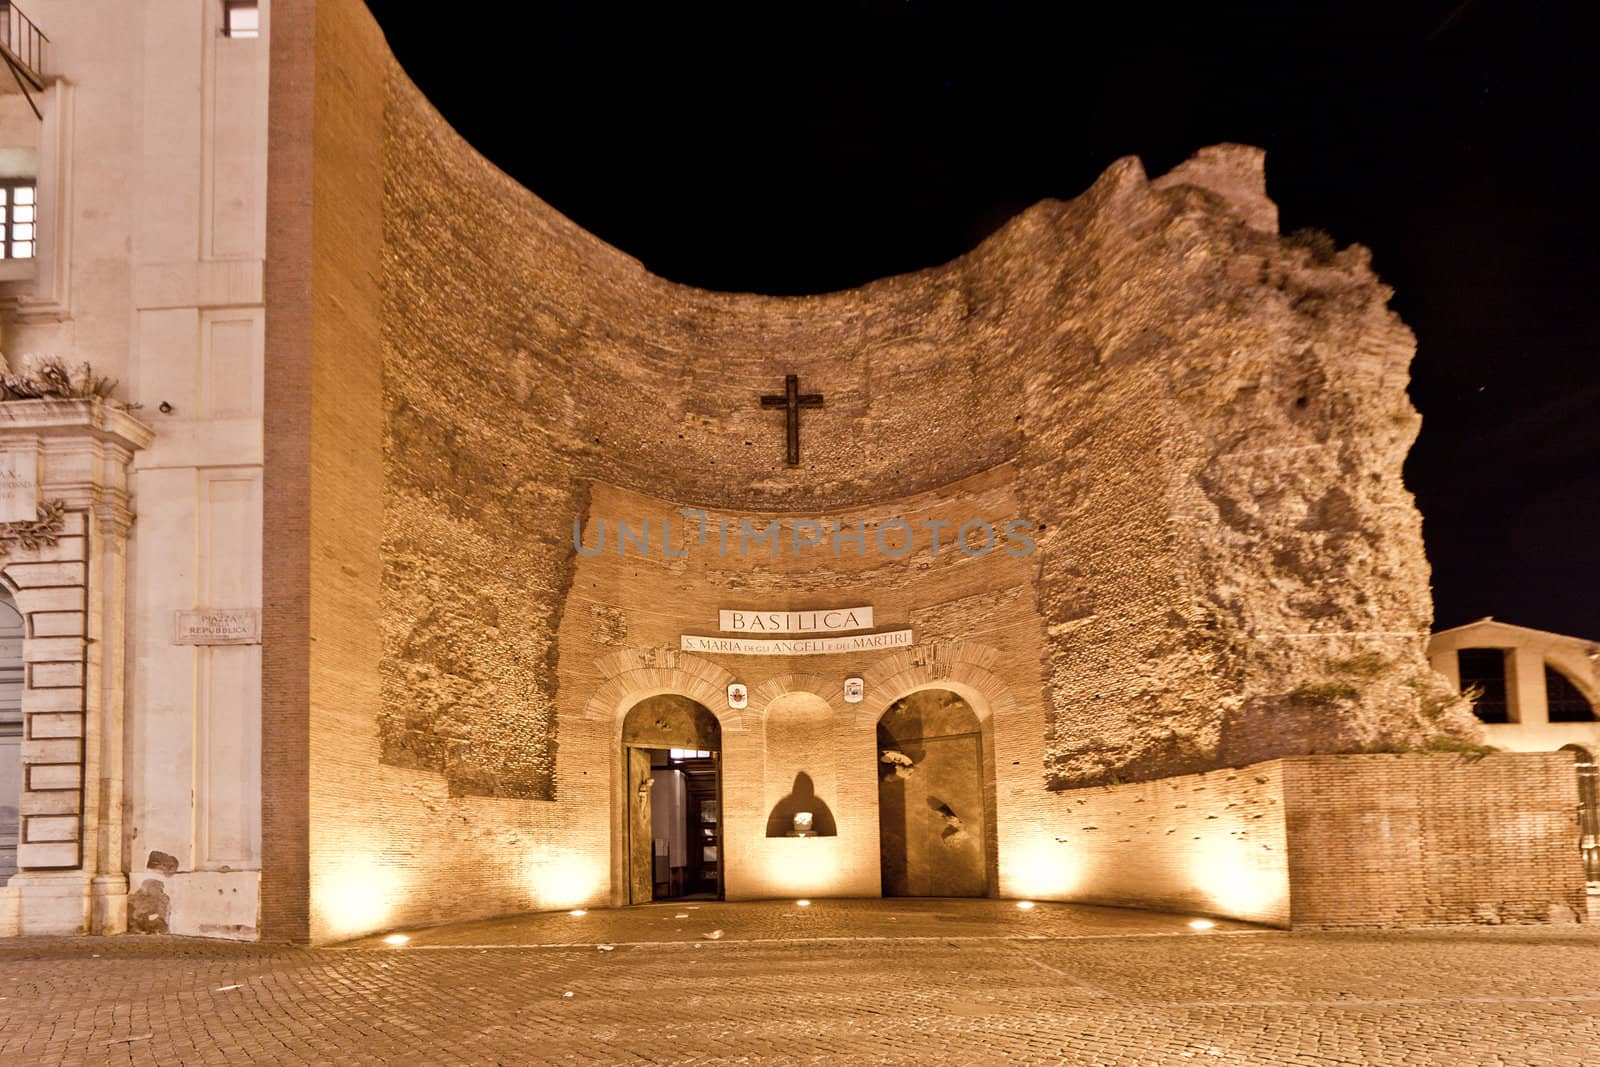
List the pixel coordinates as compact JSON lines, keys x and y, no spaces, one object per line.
{"x":838,"y":982}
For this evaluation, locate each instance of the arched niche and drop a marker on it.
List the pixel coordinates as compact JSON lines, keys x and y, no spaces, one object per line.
{"x":932,"y":802}
{"x":802,"y":765}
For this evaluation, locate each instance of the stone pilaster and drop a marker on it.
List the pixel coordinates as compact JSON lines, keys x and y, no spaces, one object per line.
{"x":67,"y":573}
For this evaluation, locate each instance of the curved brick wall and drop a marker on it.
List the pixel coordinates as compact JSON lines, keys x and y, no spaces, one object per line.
{"x":1206,"y":423}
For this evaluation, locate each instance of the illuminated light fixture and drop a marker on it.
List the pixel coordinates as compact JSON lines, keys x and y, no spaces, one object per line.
{"x":396,"y":939}
{"x":577,"y":912}
{"x":1025,"y":905}
{"x":1201,"y":924}
{"x":804,"y":903}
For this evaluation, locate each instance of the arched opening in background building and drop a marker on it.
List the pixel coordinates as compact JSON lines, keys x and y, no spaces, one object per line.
{"x":672,"y":756}
{"x":1565,"y":701}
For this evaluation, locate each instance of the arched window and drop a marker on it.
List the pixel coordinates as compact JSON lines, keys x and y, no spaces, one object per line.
{"x":1565,"y":702}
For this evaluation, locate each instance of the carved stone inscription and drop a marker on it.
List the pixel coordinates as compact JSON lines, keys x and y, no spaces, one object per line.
{"x":794,"y":622}
{"x":218,"y":626}
{"x":19,"y":485}
{"x":798,"y":646}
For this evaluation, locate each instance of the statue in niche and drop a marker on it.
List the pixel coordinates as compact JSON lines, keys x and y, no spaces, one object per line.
{"x":801,"y":799}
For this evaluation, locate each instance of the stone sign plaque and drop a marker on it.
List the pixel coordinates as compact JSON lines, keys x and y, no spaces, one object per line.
{"x":19,"y":485}
{"x":826,"y":620}
{"x":219,"y":626}
{"x":796,"y":646}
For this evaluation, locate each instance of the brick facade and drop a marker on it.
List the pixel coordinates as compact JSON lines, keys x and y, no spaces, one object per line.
{"x":1203,"y":424}
{"x":1336,"y":841}
{"x":1390,"y":840}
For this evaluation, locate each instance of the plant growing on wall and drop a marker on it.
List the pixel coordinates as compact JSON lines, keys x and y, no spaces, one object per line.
{"x":49,"y":378}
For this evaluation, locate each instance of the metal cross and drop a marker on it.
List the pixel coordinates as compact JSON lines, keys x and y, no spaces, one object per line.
{"x":792,"y":401}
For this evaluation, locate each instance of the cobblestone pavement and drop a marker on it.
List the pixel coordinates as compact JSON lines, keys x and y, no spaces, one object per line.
{"x":946,"y":982}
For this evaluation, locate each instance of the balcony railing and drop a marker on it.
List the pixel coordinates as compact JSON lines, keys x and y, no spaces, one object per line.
{"x":24,"y":44}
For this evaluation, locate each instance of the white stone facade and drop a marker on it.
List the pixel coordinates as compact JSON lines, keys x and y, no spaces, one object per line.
{"x":1528,"y":653}
{"x":140,"y":755}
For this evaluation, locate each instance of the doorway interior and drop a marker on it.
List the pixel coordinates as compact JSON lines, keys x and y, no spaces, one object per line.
{"x":686,"y":825}
{"x":672,"y":753}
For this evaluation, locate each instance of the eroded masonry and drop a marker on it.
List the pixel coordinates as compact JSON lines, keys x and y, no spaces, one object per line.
{"x":1083,"y":565}
{"x":1199,"y":688}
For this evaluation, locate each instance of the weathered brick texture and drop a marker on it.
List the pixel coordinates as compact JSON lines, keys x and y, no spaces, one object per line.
{"x":1336,"y":841}
{"x":1410,"y":839}
{"x":1204,"y":422}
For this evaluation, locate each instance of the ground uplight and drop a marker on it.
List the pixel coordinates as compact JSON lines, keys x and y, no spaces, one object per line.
{"x":1025,"y":905}
{"x":396,"y":939}
{"x":803,"y":903}
{"x":1201,"y":924}
{"x":579,"y":912}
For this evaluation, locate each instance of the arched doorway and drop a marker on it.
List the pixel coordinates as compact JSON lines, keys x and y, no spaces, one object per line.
{"x":11,"y":632}
{"x":1588,"y":809}
{"x":931,"y":809}
{"x":672,"y":760}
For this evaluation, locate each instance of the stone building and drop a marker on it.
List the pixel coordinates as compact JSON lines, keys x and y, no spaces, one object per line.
{"x":450,"y":564}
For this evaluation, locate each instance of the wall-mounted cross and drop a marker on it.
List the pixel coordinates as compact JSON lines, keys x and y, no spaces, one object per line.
{"x":792,"y":401}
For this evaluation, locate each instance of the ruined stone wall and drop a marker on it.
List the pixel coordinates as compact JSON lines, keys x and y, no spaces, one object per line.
{"x":1206,"y":421}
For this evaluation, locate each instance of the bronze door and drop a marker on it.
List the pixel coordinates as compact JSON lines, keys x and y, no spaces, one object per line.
{"x":641,"y":833}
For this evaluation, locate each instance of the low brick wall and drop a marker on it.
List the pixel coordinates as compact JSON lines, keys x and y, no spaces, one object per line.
{"x":1389,"y":840}
{"x":1322,"y":841}
{"x":1212,"y":844}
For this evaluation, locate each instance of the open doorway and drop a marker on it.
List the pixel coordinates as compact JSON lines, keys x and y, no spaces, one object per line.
{"x":672,"y":752}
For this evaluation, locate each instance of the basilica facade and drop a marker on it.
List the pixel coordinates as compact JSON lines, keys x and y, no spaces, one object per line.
{"x":431,"y":559}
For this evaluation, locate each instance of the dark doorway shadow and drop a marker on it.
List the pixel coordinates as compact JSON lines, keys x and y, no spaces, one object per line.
{"x":803,"y":797}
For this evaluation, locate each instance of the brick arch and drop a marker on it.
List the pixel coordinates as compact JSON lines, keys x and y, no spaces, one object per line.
{"x":966,"y":669}
{"x":963,"y":667}
{"x":632,"y":675}
{"x":828,"y":689}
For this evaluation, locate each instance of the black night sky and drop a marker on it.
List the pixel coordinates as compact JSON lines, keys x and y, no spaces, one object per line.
{"x":809,"y":147}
